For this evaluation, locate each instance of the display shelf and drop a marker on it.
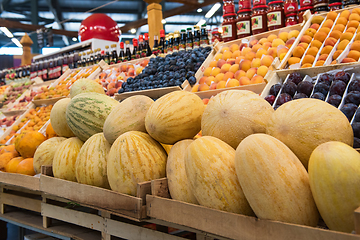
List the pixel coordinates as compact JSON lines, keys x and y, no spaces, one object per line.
{"x":151,"y":93}
{"x":229,"y":225}
{"x":59,"y":229}
{"x":117,"y":203}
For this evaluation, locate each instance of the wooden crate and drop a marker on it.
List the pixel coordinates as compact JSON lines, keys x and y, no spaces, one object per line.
{"x":151,"y":93}
{"x":230,"y":225}
{"x":123,"y":205}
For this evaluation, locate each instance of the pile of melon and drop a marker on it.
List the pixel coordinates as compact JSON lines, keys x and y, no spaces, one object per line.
{"x":279,"y":165}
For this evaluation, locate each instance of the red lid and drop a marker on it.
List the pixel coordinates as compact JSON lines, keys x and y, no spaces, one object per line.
{"x":141,"y":38}
{"x":291,"y":14}
{"x":135,"y":42}
{"x":230,"y":15}
{"x":244,"y":10}
{"x":121,"y":45}
{"x":305,"y":8}
{"x":260,"y":6}
{"x":162,"y":33}
{"x":275,"y":2}
{"x":335,"y":4}
{"x":146,"y":35}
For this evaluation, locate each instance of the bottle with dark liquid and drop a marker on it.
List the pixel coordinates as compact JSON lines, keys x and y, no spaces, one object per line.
{"x":65,"y":65}
{"x":91,"y":61}
{"x":161,"y":47}
{"x":138,"y":51}
{"x":51,"y":69}
{"x":142,"y":46}
{"x":40,"y":69}
{"x":107,"y":55}
{"x":196,"y":36}
{"x":128,"y":52}
{"x":32,"y":70}
{"x":189,"y":40}
{"x":55,"y":68}
{"x":135,"y":48}
{"x":121,"y":57}
{"x":59,"y":66}
{"x":45,"y":75}
{"x":182,"y":45}
{"x":171,"y":43}
{"x":114,"y":56}
{"x":176,"y":44}
{"x":166,"y":44}
{"x":99,"y":56}
{"x":77,"y":60}
{"x":147,"y":45}
{"x":204,"y":39}
{"x":155,"y":49}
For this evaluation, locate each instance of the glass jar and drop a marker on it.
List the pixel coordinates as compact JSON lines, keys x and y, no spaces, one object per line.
{"x":275,"y":15}
{"x":291,"y":19}
{"x":306,"y":3}
{"x":259,"y":19}
{"x":335,"y":6}
{"x":229,"y":23}
{"x":302,"y":11}
{"x":244,"y":5}
{"x":351,"y":3}
{"x":259,"y":3}
{"x":243,"y":24}
{"x":321,"y":6}
{"x":215,"y":35}
{"x":290,"y":7}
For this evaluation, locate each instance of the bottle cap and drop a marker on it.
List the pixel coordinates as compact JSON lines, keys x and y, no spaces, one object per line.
{"x":121,"y":45}
{"x":162,"y":33}
{"x":146,"y":35}
{"x":127,"y":42}
{"x":141,"y":38}
{"x":135,"y":42}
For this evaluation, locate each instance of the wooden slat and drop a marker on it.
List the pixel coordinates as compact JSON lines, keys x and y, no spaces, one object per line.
{"x":47,"y":170}
{"x":151,"y":93}
{"x":159,"y":187}
{"x":234,"y":226}
{"x":20,"y":180}
{"x":142,"y":190}
{"x":357,"y":220}
{"x":87,"y":220}
{"x":90,"y":195}
{"x":20,"y":202}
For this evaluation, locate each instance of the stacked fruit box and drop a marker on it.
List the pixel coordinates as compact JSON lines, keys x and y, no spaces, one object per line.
{"x":247,"y":63}
{"x":326,"y":41}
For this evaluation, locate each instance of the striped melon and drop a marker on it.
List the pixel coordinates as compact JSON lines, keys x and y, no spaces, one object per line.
{"x":44,"y":154}
{"x":233,"y":115}
{"x":85,"y":85}
{"x":274,"y":181}
{"x":129,"y":115}
{"x":306,"y":123}
{"x":87,"y":112}
{"x":134,"y":157}
{"x":65,"y":159}
{"x":210,"y":168}
{"x":91,"y":163}
{"x":334,"y":173}
{"x":178,"y":183}
{"x":58,"y":118}
{"x":174,"y":116}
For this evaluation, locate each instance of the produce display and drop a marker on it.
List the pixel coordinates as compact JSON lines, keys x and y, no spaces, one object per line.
{"x":111,"y":79}
{"x":14,"y":92}
{"x":168,"y":71}
{"x":22,"y":103}
{"x":8,"y":121}
{"x":245,"y":63}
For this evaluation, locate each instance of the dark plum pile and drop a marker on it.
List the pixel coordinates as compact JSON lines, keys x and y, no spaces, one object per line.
{"x":168,"y":71}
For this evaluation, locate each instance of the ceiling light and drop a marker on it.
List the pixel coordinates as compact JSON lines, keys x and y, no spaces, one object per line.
{"x":199,"y":10}
{"x":74,"y":39}
{"x":213,"y":10}
{"x":17,"y":43}
{"x":201,"y":22}
{"x":163,"y":21}
{"x":7,"y":32}
{"x":133,"y":30}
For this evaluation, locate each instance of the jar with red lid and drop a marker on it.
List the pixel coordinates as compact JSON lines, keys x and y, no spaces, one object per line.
{"x":243,"y":24}
{"x":291,"y":19}
{"x":321,"y":6}
{"x":351,"y":3}
{"x":258,"y":3}
{"x":229,"y":23}
{"x":306,"y":3}
{"x":290,"y":7}
{"x":335,"y":6}
{"x":302,"y":11}
{"x":244,"y":5}
{"x":216,"y":35}
{"x":275,"y":15}
{"x":259,"y":19}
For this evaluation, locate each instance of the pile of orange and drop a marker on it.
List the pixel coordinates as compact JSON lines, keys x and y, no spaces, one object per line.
{"x":2,"y":89}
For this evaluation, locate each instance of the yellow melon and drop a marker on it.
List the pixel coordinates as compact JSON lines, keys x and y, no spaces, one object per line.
{"x":44,"y":154}
{"x":174,"y":117}
{"x":134,"y":157}
{"x":178,"y":183}
{"x":306,"y":123}
{"x":91,"y":162}
{"x":334,"y":173}
{"x":58,"y":118}
{"x":127,"y":116}
{"x":65,"y":159}
{"x":274,"y":181}
{"x":233,"y":115}
{"x":210,"y":168}
{"x":27,"y":142}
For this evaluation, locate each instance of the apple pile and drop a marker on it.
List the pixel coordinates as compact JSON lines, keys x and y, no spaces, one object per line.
{"x":245,"y":63}
{"x":111,"y":79}
{"x":15,"y":91}
{"x":8,"y":121}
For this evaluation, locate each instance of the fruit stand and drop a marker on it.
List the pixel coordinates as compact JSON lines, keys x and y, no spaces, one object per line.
{"x":239,"y":140}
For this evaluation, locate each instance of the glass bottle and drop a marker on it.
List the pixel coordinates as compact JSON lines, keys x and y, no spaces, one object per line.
{"x":161,"y":46}
{"x":196,"y":37}
{"x":275,"y":15}
{"x":182,"y":45}
{"x":45,"y":70}
{"x":107,"y":55}
{"x":171,"y":43}
{"x":243,"y":23}
{"x":147,"y":45}
{"x":51,"y":69}
{"x":166,"y":43}
{"x":65,"y":65}
{"x":135,"y":49}
{"x":176,"y":41}
{"x":189,"y":39}
{"x":290,"y":7}
{"x":142,"y":46}
{"x":229,"y":23}
{"x":96,"y":59}
{"x":321,"y":6}
{"x":291,"y":19}
{"x":114,"y":56}
{"x":155,"y":49}
{"x":121,"y":57}
{"x":204,"y":38}
{"x":138,"y":51}
{"x":128,"y":52}
{"x":40,"y":69}
{"x":259,"y":19}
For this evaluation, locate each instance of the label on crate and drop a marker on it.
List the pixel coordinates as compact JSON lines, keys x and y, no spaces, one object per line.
{"x":243,"y":27}
{"x":274,"y":19}
{"x":256,"y":23}
{"x":227,"y":31}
